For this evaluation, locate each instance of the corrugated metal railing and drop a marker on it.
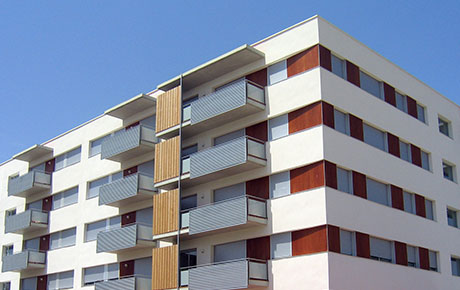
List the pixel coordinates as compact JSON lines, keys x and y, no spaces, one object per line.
{"x":125,"y":188}
{"x":21,"y":261}
{"x":122,"y":238}
{"x":25,"y":219}
{"x":20,"y":184}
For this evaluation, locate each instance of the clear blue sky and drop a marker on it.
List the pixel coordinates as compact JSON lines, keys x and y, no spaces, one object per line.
{"x":65,"y":62}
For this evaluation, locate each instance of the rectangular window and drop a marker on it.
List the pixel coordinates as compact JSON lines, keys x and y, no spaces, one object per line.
{"x":93,"y":229}
{"x":448,"y":171}
{"x":374,"y":137}
{"x":401,"y":102}
{"x":344,"y":180}
{"x":455,"y":263}
{"x":444,"y":126}
{"x":10,"y":212}
{"x":338,"y":66}
{"x":7,"y":250}
{"x":281,"y":245}
{"x":68,"y":158}
{"x":100,"y":273}
{"x":96,"y":145}
{"x":230,"y":251}
{"x":371,"y":85}
{"x":188,"y":258}
{"x":63,"y":280}
{"x":65,"y":198}
{"x":62,"y":239}
{"x":433,"y":261}
{"x":29,"y":283}
{"x":381,"y":250}
{"x":278,"y":127}
{"x":229,"y":192}
{"x":452,"y":218}
{"x":277,"y":72}
{"x":429,"y":209}
{"x":341,"y":123}
{"x":229,"y":136}
{"x":347,"y":243}
{"x":5,"y":286}
{"x":421,"y":113}
{"x":404,"y":150}
{"x":32,"y":244}
{"x":377,"y":192}
{"x":425,"y":160}
{"x":189,"y":150}
{"x":93,"y":186}
{"x":409,"y":202}
{"x":280,"y":184}
{"x":412,"y":256}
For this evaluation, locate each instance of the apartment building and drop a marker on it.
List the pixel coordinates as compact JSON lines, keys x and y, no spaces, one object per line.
{"x":303,"y":161}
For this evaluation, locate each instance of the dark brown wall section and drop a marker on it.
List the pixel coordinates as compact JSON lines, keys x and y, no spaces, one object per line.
{"x":420,"y":209}
{"x":331,"y":174}
{"x":128,"y":218}
{"x":42,"y":282}
{"x":328,"y":115}
{"x":126,"y":268}
{"x":307,"y":177}
{"x":258,"y":131}
{"x":393,"y":145}
{"x":305,"y":118}
{"x":259,"y":187}
{"x":47,"y":203}
{"x":389,"y":92}
{"x":130,"y":171}
{"x":325,"y":58}
{"x":308,"y":241}
{"x":353,"y":73}
{"x":303,"y":61}
{"x":333,"y":238}
{"x":401,"y":253}
{"x":44,"y":244}
{"x":359,"y":184}
{"x":258,"y":248}
{"x":412,"y":107}
{"x":356,"y":127}
{"x":50,"y":165}
{"x":416,"y":155}
{"x":362,"y":245}
{"x":259,"y":77}
{"x":424,"y":258}
{"x":397,"y":200}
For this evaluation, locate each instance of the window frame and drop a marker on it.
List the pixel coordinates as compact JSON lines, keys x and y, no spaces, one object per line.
{"x":381,"y":95}
{"x":62,"y":198}
{"x":347,"y":121}
{"x":385,"y":138}
{"x":443,"y":121}
{"x":66,"y":158}
{"x":344,"y":66}
{"x":447,"y":164}
{"x":454,"y":214}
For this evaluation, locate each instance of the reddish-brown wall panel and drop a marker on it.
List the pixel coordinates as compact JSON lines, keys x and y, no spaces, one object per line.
{"x":389,"y":92}
{"x":307,"y":177}
{"x":258,"y":131}
{"x":359,"y":185}
{"x":259,"y":187}
{"x":328,"y":115}
{"x":259,"y":77}
{"x":44,"y":243}
{"x":309,"y":241}
{"x":393,"y":145}
{"x":128,"y":218}
{"x":416,"y":155}
{"x":401,"y":253}
{"x":325,"y":58}
{"x":126,"y":268}
{"x":305,"y":118}
{"x":331,"y":174}
{"x":333,"y":238}
{"x":397,"y":197}
{"x":47,"y":203}
{"x":362,"y":245}
{"x":130,"y":171}
{"x":420,"y":209}
{"x":412,"y":107}
{"x":50,"y":165}
{"x":303,"y":61}
{"x":424,"y":258}
{"x":356,"y":127}
{"x":258,"y":248}
{"x":42,"y":282}
{"x":353,"y":73}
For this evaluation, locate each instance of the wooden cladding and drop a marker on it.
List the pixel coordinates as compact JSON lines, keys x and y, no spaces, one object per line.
{"x":303,"y":61}
{"x":424,"y":258}
{"x":325,"y":60}
{"x":165,"y":212}
{"x":305,"y":118}
{"x":353,"y":73}
{"x":397,"y":200}
{"x":393,"y":145}
{"x":164,"y":268}
{"x":258,"y":131}
{"x":127,"y":268}
{"x":333,"y":238}
{"x":309,"y":241}
{"x":167,"y":157}
{"x":401,"y":253}
{"x":168,"y":109}
{"x":258,"y":77}
{"x":330,"y":170}
{"x":359,"y":185}
{"x":258,"y":248}
{"x":416,"y":155}
{"x":363,"y":247}
{"x":307,"y":177}
{"x":259,"y":187}
{"x":412,"y":107}
{"x":420,"y":209}
{"x":389,"y":92}
{"x":328,"y":115}
{"x":356,"y":127}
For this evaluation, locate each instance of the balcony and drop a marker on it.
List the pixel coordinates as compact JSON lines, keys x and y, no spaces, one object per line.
{"x":29,"y":220}
{"x":129,"y":283}
{"x":233,"y":213}
{"x":28,"y":184}
{"x":128,"y":237}
{"x":29,"y":259}
{"x":129,"y":143}
{"x":136,"y":187}
{"x":237,"y":274}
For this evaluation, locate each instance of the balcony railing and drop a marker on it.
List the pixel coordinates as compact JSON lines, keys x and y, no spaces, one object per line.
{"x":30,"y":183}
{"x":129,"y":143}
{"x":127,"y":283}
{"x":135,"y":187}
{"x":136,"y":235}
{"x":236,"y":274}
{"x":26,"y":221}
{"x":28,"y":259}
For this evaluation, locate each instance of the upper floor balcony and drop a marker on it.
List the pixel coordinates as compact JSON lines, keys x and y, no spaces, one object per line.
{"x":28,"y":184}
{"x":136,"y":282}
{"x":29,"y":220}
{"x":131,"y":236}
{"x":25,"y":260}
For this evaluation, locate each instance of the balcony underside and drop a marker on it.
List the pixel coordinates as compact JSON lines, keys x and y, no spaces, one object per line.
{"x":33,"y":227}
{"x":144,"y":148}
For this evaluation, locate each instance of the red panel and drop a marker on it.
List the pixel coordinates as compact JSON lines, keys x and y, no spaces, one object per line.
{"x":390,"y":96}
{"x":47,"y":203}
{"x":420,"y":209}
{"x":356,"y":127}
{"x":44,"y":244}
{"x":258,"y":131}
{"x":303,"y":61}
{"x":393,"y":145}
{"x":259,"y":187}
{"x":126,"y":268}
{"x":401,"y":253}
{"x":258,"y":248}
{"x":305,"y":118}
{"x":333,"y":238}
{"x":331,"y":174}
{"x":50,"y":165}
{"x":328,"y":115}
{"x":353,"y":73}
{"x":259,"y":77}
{"x":325,"y":58}
{"x":42,"y":282}
{"x":397,"y":197}
{"x":132,"y":125}
{"x":362,"y":245}
{"x":412,"y":107}
{"x":130,"y":171}
{"x":309,"y":241}
{"x":128,"y":218}
{"x":424,"y":258}
{"x":359,"y":184}
{"x":307,"y":177}
{"x":416,"y":155}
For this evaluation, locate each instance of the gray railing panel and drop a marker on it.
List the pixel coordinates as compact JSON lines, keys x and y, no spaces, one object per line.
{"x":120,"y":284}
{"x":231,"y":275}
{"x":218,"y":158}
{"x":15,"y":262}
{"x":21,"y":183}
{"x":220,"y":215}
{"x":119,"y":189}
{"x":121,"y":142}
{"x":219,"y":102}
{"x":18,"y":222}
{"x":117,"y":239}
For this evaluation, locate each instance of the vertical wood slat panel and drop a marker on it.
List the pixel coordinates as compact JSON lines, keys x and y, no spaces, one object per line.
{"x":168,"y":109}
{"x":167,"y":155}
{"x":165,"y":212}
{"x":164,"y":268}
{"x":258,"y":248}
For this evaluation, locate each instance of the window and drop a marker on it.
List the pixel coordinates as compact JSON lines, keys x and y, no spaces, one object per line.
{"x":280,"y":184}
{"x":277,"y":72}
{"x":100,"y":273}
{"x":371,"y":85}
{"x":39,"y":168}
{"x":448,"y":171}
{"x":409,"y":202}
{"x":29,"y":283}
{"x":187,"y":151}
{"x":93,"y":186}
{"x":278,"y":127}
{"x":347,"y":242}
{"x":65,"y":198}
{"x":429,"y":209}
{"x":374,"y":137}
{"x":381,"y":250}
{"x":421,"y":113}
{"x":377,"y":192}
{"x":433,"y":261}
{"x":188,"y":258}
{"x":452,"y":218}
{"x":444,"y":126}
{"x":229,"y":136}
{"x":230,"y":251}
{"x":229,"y":192}
{"x":188,"y":202}
{"x":341,"y":123}
{"x":96,"y":145}
{"x":63,"y":280}
{"x":281,"y":245}
{"x":412,"y":257}
{"x":35,"y":205}
{"x":93,"y":229}
{"x":401,"y":102}
{"x":344,"y":180}
{"x":425,"y":160}
{"x":10,"y":212}
{"x":7,"y":250}
{"x":404,"y":150}
{"x":68,"y":158}
{"x":338,"y":66}
{"x":5,"y":286}
{"x":32,"y":244}
{"x":62,"y":239}
{"x":455,"y":263}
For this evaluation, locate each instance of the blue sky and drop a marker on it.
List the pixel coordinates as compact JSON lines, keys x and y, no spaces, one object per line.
{"x":65,"y":62}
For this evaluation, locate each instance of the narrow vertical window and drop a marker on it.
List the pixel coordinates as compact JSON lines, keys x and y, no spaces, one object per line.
{"x":444,"y":126}
{"x":421,"y":113}
{"x":448,"y":171}
{"x":346,"y":243}
{"x":278,"y":127}
{"x":404,"y":151}
{"x":341,"y":123}
{"x":452,"y":218}
{"x":280,"y":184}
{"x":344,"y":180}
{"x":338,"y":66}
{"x":277,"y":72}
{"x":401,"y":102}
